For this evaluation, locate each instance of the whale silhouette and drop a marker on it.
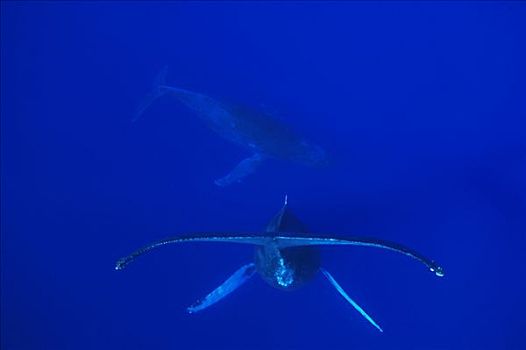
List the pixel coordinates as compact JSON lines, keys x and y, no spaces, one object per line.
{"x":258,"y":132}
{"x":286,"y":257}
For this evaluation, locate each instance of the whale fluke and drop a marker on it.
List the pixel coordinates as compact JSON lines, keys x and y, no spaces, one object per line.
{"x":157,"y":91}
{"x":123,"y":262}
{"x":297,"y":241}
{"x":283,"y":241}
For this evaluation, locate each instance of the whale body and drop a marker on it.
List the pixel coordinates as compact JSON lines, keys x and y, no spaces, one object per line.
{"x":286,"y":257}
{"x":257,"y":132}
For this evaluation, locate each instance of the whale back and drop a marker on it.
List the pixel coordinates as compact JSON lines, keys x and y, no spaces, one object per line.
{"x":285,"y":221}
{"x":286,"y":268}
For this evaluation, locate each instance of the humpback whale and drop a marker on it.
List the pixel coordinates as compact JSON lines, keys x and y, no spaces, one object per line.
{"x":256,"y":131}
{"x":286,"y":257}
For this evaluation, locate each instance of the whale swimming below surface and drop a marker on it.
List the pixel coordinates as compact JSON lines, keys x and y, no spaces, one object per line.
{"x":286,"y":257}
{"x":258,"y":132}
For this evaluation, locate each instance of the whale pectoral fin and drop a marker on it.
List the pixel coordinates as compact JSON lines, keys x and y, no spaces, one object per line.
{"x":348,"y":298}
{"x":244,"y":168}
{"x":232,"y":283}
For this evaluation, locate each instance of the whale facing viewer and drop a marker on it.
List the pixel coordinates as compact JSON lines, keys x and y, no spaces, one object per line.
{"x":259,"y":133}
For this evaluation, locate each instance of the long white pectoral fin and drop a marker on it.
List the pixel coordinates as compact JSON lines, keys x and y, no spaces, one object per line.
{"x":231,"y":284}
{"x":244,"y":168}
{"x":348,"y":298}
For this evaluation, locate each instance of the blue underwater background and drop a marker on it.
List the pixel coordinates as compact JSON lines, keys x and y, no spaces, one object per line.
{"x":421,"y":108}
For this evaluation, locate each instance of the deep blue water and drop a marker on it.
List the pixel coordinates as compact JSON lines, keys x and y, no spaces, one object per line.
{"x":421,"y":107}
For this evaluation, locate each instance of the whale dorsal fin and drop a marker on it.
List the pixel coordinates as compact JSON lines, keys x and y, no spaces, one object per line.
{"x":285,"y":221}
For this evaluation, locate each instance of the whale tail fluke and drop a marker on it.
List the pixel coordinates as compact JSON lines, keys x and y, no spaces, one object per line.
{"x":156,"y":92}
